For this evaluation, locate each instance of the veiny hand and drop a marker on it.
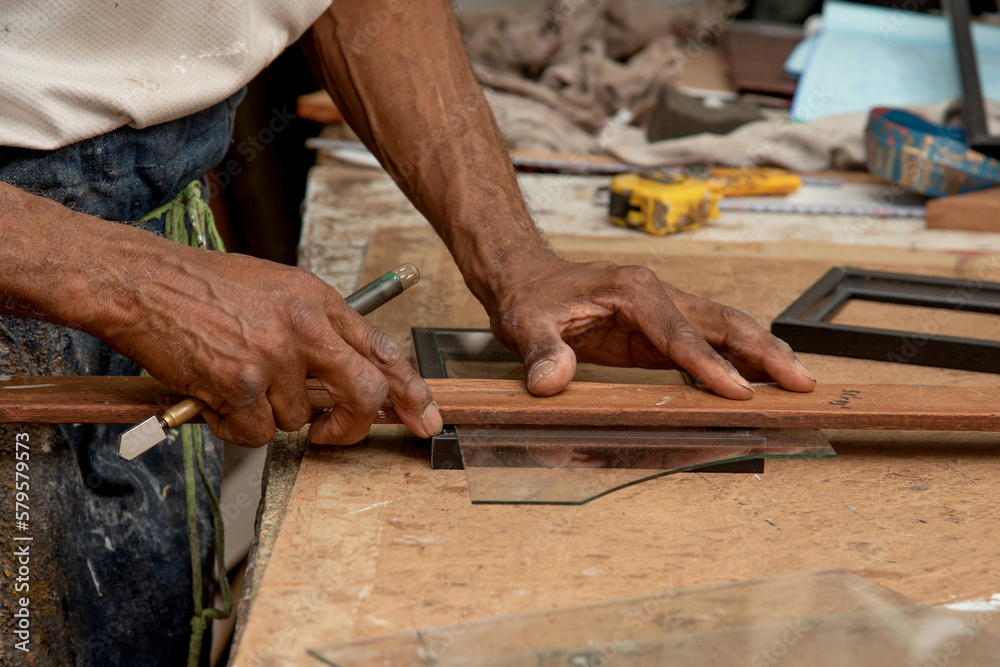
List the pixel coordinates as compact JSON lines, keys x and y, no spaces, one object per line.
{"x":554,"y":313}
{"x":243,"y":334}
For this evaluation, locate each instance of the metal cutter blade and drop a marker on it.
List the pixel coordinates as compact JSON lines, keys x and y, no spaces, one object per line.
{"x":141,"y":438}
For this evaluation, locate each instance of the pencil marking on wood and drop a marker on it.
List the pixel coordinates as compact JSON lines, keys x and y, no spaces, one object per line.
{"x":370,"y":507}
{"x":846,"y":396}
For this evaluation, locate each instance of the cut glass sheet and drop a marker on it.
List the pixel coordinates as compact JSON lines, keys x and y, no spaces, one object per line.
{"x":560,"y":466}
{"x":553,"y":465}
{"x":825,"y":618}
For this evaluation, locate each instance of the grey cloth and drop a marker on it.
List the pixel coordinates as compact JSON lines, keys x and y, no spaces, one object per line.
{"x":588,"y":59}
{"x":832,"y":142}
{"x":556,"y":75}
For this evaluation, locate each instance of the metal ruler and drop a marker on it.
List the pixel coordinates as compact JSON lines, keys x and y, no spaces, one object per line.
{"x":870,"y":210}
{"x":743,"y":205}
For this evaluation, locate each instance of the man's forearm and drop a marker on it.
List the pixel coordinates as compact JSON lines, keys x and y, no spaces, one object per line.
{"x":66,"y":267}
{"x":241,"y":334}
{"x":409,"y":92}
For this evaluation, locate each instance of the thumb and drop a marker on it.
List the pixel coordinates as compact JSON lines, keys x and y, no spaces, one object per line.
{"x":549,"y":363}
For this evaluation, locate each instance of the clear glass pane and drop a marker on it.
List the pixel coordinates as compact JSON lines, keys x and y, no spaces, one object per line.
{"x":567,"y":466}
{"x":550,"y":465}
{"x":826,"y":618}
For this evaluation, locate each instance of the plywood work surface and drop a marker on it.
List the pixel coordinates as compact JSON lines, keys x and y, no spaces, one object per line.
{"x":373,"y":541}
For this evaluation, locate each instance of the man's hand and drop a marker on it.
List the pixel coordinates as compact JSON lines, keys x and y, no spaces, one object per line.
{"x":556,"y":313}
{"x":411,"y":96}
{"x":241,"y":334}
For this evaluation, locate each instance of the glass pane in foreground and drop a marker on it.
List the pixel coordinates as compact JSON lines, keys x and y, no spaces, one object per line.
{"x":825,"y":618}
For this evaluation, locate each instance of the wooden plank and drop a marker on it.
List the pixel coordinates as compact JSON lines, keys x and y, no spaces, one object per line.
{"x":319,"y":107}
{"x":97,"y":399}
{"x":846,"y":406}
{"x":125,"y":400}
{"x":973,"y":211}
{"x":82,"y":400}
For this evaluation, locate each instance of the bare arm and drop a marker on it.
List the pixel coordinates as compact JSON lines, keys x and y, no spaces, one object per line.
{"x":242,"y":334}
{"x":409,"y":92}
{"x":413,"y":99}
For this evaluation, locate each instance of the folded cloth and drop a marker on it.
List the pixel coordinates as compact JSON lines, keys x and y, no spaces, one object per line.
{"x":588,"y":59}
{"x":831,"y":142}
{"x":530,"y":125}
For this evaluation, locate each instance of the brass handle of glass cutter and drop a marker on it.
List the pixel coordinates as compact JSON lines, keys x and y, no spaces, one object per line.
{"x":182,"y":413}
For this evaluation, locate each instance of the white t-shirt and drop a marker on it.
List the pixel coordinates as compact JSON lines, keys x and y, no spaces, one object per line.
{"x":74,"y":69}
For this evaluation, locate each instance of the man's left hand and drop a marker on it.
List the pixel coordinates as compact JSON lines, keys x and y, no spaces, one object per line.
{"x":555,"y":313}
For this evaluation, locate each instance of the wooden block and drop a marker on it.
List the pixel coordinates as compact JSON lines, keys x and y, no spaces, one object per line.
{"x":973,"y":211}
{"x":757,"y":57}
{"x":126,"y":400}
{"x":318,"y":107}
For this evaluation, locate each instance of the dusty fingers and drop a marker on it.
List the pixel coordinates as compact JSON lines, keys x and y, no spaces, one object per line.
{"x":652,"y":312}
{"x":410,"y":396}
{"x":739,"y":334}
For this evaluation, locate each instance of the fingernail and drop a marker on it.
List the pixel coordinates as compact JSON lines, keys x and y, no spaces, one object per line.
{"x":802,"y":370}
{"x":740,"y":380}
{"x":431,"y":420}
{"x":540,"y":371}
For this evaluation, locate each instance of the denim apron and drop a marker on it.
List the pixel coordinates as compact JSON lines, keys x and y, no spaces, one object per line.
{"x":110,"y":562}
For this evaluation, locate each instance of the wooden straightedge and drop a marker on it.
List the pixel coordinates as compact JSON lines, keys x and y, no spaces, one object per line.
{"x":127,"y":400}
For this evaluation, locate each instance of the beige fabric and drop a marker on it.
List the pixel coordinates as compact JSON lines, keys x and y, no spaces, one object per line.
{"x":532,"y":126}
{"x":557,"y":74}
{"x":71,"y":69}
{"x":588,"y":59}
{"x":832,"y":142}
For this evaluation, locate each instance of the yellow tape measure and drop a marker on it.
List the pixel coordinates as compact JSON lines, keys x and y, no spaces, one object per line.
{"x":663,"y":203}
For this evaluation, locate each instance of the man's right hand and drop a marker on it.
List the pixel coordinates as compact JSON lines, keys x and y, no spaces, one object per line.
{"x":241,"y":334}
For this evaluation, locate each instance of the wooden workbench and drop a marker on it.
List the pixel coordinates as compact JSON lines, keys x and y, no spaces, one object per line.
{"x":367,"y":540}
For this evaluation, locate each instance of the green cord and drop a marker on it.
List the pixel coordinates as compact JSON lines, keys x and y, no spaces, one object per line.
{"x":188,"y":220}
{"x":194,"y":452}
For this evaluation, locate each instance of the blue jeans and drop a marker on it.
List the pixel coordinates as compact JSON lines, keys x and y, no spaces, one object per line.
{"x":110,"y":578}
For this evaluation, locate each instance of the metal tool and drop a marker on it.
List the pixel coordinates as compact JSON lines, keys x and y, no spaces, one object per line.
{"x":661,"y":202}
{"x":800,"y":208}
{"x":152,"y":431}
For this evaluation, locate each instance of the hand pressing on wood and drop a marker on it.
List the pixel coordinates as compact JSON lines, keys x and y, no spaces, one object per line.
{"x":241,"y":334}
{"x":412,"y":97}
{"x":555,"y":313}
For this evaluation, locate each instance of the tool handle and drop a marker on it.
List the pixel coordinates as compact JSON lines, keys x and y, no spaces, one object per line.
{"x":182,"y":413}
